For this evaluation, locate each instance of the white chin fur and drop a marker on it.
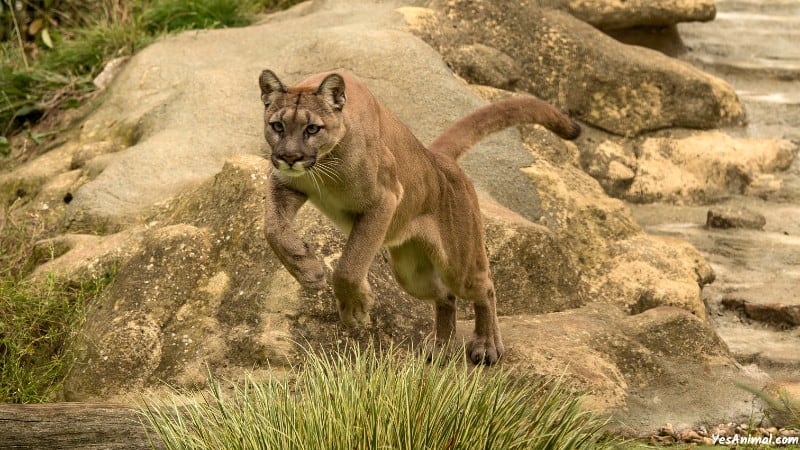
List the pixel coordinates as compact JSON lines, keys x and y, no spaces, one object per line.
{"x":292,"y":172}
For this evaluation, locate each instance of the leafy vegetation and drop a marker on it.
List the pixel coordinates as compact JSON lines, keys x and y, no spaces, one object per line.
{"x":366,"y":399}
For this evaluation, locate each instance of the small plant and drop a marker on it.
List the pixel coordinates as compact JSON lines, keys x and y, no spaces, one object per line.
{"x":368,"y":400}
{"x":39,"y":77}
{"x":784,"y":410}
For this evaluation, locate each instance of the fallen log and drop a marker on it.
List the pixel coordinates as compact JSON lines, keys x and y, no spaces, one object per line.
{"x":72,"y":426}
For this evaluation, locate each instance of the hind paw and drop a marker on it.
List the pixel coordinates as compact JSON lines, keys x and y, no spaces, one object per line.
{"x":484,"y":351}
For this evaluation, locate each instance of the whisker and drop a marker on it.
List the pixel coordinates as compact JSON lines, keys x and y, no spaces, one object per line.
{"x":335,"y":160}
{"x":328,"y":168}
{"x":312,"y":174}
{"x":328,"y":171}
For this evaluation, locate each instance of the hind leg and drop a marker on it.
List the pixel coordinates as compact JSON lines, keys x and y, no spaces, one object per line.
{"x":417,"y":276}
{"x":486,"y":346}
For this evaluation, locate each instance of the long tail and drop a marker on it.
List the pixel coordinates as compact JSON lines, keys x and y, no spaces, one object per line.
{"x":470,"y":129}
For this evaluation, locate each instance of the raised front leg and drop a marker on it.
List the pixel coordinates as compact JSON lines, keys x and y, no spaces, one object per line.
{"x":353,"y":293}
{"x":297,"y":256}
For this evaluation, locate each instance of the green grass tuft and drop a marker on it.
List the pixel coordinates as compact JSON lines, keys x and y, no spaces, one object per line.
{"x":39,"y":322}
{"x":30,"y":94}
{"x":178,"y":15}
{"x":91,"y":47}
{"x":368,"y":400}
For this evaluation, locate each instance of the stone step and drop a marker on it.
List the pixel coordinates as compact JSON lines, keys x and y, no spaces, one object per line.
{"x":775,"y":314}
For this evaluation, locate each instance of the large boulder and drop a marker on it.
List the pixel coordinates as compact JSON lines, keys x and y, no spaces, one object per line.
{"x":620,"y":88}
{"x":169,"y":174}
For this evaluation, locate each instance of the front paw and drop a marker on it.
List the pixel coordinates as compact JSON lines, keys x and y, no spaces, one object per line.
{"x":307,"y":270}
{"x":299,"y":259}
{"x":354,"y":300}
{"x":312,"y":278}
{"x":484,"y":351}
{"x":353,"y":317}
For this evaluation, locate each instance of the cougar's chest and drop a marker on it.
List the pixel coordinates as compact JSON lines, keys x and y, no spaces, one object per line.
{"x":339,"y":210}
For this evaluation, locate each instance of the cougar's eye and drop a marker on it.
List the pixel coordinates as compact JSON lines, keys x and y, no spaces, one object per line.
{"x":277,"y":127}
{"x":312,"y":129}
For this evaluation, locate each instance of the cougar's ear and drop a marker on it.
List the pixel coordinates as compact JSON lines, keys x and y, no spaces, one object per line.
{"x":269,"y":84}
{"x":332,"y":90}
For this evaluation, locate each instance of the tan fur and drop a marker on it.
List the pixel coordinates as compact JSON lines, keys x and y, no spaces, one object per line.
{"x":334,"y":144}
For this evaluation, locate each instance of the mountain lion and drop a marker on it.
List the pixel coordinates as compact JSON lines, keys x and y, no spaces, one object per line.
{"x":334,"y":144}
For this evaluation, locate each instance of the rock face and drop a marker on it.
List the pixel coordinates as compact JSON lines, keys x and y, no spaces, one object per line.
{"x":486,"y":65}
{"x":617,"y":89}
{"x":696,"y":167}
{"x":169,"y":172}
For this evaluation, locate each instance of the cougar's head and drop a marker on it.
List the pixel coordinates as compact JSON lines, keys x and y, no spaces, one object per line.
{"x":302,"y":125}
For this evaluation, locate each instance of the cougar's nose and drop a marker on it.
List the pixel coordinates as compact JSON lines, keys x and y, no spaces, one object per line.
{"x":291,"y":159}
